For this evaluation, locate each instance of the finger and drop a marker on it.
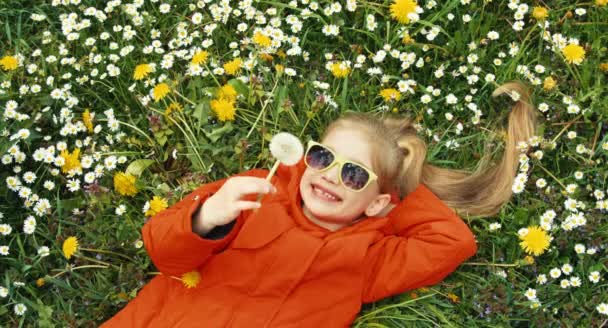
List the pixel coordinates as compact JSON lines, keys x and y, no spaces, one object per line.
{"x":253,"y":185}
{"x":247,"y":205}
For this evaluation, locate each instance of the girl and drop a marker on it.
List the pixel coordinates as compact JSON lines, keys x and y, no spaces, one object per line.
{"x":361,"y":217}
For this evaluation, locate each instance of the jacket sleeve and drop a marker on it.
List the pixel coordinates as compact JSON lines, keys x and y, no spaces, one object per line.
{"x":168,"y":237}
{"x":424,"y":242}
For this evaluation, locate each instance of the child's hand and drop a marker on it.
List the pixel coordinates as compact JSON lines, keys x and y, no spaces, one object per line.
{"x":226,"y":204}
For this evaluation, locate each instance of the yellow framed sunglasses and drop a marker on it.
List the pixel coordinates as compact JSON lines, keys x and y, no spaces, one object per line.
{"x":354,"y":176}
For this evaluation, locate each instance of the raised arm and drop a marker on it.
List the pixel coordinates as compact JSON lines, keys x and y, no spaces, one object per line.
{"x":168,"y":236}
{"x":426,"y":242}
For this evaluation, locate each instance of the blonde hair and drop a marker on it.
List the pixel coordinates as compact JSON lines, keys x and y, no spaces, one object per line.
{"x":399,"y":158}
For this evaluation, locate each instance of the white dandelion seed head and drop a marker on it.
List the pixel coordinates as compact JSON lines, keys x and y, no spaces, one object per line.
{"x":286,"y":148}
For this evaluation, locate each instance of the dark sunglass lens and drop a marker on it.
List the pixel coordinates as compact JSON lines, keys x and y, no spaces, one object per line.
{"x":319,"y":157}
{"x":354,"y":176}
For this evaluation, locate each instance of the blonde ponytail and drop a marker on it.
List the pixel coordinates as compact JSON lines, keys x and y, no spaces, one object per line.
{"x":399,"y":158}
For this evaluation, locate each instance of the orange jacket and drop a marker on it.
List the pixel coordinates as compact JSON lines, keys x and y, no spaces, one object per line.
{"x":277,"y":269}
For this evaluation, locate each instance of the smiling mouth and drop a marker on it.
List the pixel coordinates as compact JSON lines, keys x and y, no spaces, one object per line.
{"x":324,"y":195}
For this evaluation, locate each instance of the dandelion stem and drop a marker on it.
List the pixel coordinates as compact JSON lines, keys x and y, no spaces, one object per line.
{"x":107,"y":252}
{"x":551,"y":175}
{"x":154,"y":273}
{"x":566,"y":127}
{"x":91,"y":259}
{"x":492,"y":264}
{"x":186,"y":99}
{"x":213,"y":76}
{"x":134,"y":128}
{"x":81,"y":267}
{"x":198,"y":156}
{"x":263,"y":108}
{"x":269,"y":176}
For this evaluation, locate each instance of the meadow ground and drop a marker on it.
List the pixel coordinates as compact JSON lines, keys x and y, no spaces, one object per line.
{"x":114,"y":110}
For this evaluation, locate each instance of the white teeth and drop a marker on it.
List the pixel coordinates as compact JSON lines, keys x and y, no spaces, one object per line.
{"x":325,"y":194}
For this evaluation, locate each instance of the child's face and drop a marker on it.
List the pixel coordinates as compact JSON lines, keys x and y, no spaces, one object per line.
{"x":335,"y":214}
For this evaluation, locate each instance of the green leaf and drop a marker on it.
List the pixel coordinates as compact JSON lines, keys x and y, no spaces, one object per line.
{"x":521,"y":216}
{"x":45,"y":315}
{"x":219,"y":132}
{"x":239,"y":86}
{"x":138,"y":166}
{"x":201,"y":112}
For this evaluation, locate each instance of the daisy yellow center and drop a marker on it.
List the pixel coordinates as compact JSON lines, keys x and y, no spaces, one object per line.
{"x":141,"y":71}
{"x":70,"y":245}
{"x":574,"y":53}
{"x":261,"y":40}
{"x":71,"y":160}
{"x":160,"y":91}
{"x":390,"y":94}
{"x":9,"y":63}
{"x":224,"y":109}
{"x":400,"y":9}
{"x":340,"y":70}
{"x":535,"y":242}
{"x":200,"y":58}
{"x":124,"y":184}
{"x":233,"y":67}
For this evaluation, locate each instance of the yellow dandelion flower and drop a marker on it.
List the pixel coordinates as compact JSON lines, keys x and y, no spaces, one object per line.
{"x":281,"y":54}
{"x":261,"y":40}
{"x":266,"y":57}
{"x":529,"y":259}
{"x":227,"y":92}
{"x":87,"y":119}
{"x":604,"y":67}
{"x":200,"y":58}
{"x":123,"y":296}
{"x":124,"y":184}
{"x":454,"y":297}
{"x":40,"y":282}
{"x":9,"y":63}
{"x":233,"y":67}
{"x":535,"y":242}
{"x":71,"y":160}
{"x":191,"y":279}
{"x":574,"y":53}
{"x":340,"y":70}
{"x":173,"y":107}
{"x":70,"y":246}
{"x":601,"y":3}
{"x":157,"y":204}
{"x":549,"y":83}
{"x":142,"y":71}
{"x":224,"y":109}
{"x":390,"y":94}
{"x":407,"y":39}
{"x":400,"y":9}
{"x":160,"y":91}
{"x":540,"y":13}
{"x":279,"y":68}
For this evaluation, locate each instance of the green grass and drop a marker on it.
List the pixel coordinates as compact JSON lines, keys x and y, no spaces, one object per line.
{"x":90,"y":288}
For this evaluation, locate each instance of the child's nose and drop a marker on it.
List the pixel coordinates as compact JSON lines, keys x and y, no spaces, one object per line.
{"x":332,"y":174}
